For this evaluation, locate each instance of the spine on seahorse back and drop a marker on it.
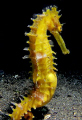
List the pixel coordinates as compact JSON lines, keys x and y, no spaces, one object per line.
{"x":41,"y":55}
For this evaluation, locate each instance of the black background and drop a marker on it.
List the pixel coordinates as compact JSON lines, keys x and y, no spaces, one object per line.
{"x":14,"y":18}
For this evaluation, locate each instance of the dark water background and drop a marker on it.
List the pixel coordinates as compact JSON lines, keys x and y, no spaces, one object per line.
{"x":14,"y":18}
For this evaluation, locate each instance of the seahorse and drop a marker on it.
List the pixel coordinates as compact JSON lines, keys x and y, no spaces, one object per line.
{"x":41,"y":56}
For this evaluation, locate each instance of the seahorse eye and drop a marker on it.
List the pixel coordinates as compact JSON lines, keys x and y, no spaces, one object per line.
{"x":59,"y":28}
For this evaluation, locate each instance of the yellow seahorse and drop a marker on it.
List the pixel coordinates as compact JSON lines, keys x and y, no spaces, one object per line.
{"x":41,"y":55}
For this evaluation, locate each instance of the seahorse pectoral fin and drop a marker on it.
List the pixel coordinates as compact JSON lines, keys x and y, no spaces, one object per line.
{"x":60,"y":42}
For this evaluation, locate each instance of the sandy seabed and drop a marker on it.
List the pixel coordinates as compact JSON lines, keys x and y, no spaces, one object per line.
{"x":66,"y":103}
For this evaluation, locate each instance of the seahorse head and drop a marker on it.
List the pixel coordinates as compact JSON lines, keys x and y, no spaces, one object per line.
{"x":52,"y":21}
